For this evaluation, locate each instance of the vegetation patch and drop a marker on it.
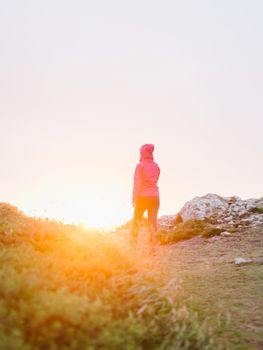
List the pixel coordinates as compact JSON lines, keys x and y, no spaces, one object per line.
{"x":62,"y":288}
{"x":256,"y":210}
{"x":187,"y":230}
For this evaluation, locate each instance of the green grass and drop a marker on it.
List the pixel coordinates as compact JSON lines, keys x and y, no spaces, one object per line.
{"x":236,"y":306}
{"x":187,"y":230}
{"x":63,"y":288}
{"x":257,"y":210}
{"x":229,"y":296}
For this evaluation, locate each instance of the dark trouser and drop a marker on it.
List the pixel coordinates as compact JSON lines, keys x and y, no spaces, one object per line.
{"x":151,"y":204}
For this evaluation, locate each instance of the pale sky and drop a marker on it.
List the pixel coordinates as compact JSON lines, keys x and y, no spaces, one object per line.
{"x":83,"y":84}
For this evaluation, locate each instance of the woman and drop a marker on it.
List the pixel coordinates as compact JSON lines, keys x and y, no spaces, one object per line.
{"x":145,"y":193}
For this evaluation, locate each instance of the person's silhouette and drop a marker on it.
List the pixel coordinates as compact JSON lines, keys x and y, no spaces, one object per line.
{"x":145,"y":193}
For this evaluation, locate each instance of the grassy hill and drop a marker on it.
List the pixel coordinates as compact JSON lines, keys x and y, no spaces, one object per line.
{"x":62,"y":287}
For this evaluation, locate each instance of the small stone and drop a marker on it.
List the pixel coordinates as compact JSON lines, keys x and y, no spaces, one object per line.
{"x":241,"y":261}
{"x":225,"y":234}
{"x":213,"y":239}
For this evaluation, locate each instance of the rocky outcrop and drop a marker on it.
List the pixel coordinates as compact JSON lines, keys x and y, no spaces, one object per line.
{"x":230,"y":211}
{"x":167,"y":221}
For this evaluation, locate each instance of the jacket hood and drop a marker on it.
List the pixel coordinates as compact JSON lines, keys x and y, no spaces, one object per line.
{"x":146,"y":151}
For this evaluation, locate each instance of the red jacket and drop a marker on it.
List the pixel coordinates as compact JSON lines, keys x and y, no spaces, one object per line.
{"x":146,"y":175}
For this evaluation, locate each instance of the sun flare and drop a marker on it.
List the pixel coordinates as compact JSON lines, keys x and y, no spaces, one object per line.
{"x":92,"y":209}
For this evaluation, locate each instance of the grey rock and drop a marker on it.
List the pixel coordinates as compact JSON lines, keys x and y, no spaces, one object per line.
{"x":225,"y":234}
{"x":221,"y":209}
{"x":242,"y":261}
{"x":213,"y":239}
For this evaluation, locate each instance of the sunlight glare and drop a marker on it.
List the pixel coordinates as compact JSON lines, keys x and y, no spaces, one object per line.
{"x":92,"y":208}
